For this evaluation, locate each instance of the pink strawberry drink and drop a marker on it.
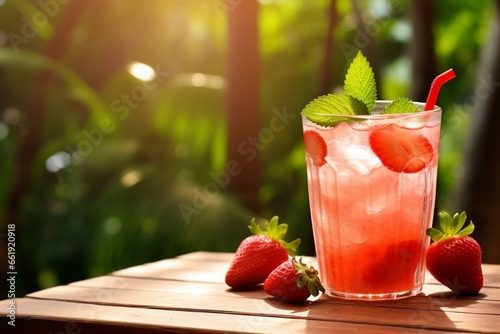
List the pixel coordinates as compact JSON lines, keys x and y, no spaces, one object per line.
{"x":372,"y":185}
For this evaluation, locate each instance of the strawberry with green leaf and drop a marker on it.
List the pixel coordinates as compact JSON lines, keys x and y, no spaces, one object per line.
{"x":259,"y":254}
{"x":454,"y":258}
{"x":293,"y":282}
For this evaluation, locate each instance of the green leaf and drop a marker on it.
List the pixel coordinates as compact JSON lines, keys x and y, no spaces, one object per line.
{"x":302,"y":281}
{"x":309,"y":276}
{"x":446,"y":223}
{"x":275,"y":231}
{"x":292,"y":246}
{"x":468,"y":230}
{"x":435,"y":234}
{"x":450,"y":227}
{"x":360,"y":81}
{"x":255,"y":228}
{"x":313,"y":288}
{"x":327,"y":110}
{"x":459,"y":221}
{"x":401,"y":105}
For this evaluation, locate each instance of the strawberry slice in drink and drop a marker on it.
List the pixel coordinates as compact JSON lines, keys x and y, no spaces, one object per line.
{"x":315,"y":147}
{"x":400,"y":149}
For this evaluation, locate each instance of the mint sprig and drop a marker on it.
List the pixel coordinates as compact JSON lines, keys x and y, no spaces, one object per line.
{"x":360,"y":94}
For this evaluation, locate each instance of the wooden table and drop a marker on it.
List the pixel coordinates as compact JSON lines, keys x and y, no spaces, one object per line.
{"x":188,"y":294}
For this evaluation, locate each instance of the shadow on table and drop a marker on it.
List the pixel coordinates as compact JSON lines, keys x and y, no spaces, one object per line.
{"x":406,"y":315}
{"x":449,"y":299}
{"x":293,"y":308}
{"x":253,"y":292}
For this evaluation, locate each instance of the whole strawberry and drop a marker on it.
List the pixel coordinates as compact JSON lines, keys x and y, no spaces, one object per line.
{"x":259,"y":254}
{"x":454,"y":259}
{"x":293,"y":282}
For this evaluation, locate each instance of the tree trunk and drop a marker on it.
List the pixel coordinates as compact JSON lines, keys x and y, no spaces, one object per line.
{"x":242,"y":101}
{"x":328,"y":56}
{"x":479,"y":188}
{"x":365,"y":39}
{"x":423,"y":59}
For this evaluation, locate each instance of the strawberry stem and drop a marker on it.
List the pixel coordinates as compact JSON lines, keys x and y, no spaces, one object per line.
{"x":450,"y":227}
{"x":309,"y":276}
{"x":276,"y":232}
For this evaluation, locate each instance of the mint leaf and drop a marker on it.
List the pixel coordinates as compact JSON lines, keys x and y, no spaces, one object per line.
{"x":401,"y":105}
{"x":360,"y":81}
{"x":327,"y":110}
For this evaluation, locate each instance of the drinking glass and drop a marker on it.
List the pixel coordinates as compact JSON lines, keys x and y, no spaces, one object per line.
{"x":369,"y":220}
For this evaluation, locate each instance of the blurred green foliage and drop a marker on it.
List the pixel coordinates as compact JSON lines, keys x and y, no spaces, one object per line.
{"x":135,"y":151}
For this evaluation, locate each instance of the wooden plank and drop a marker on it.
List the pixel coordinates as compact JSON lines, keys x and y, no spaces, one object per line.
{"x":207,"y":256}
{"x":445,"y":315}
{"x":178,"y":269}
{"x":143,"y":284}
{"x":42,"y":317}
{"x":227,"y":257}
{"x":212,"y":267}
{"x":220,"y":289}
{"x":199,"y":267}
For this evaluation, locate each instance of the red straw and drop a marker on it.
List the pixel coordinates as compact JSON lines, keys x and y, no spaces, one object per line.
{"x":436,"y":86}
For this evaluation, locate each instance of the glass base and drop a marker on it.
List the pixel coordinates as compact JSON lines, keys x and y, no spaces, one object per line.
{"x":376,"y":296}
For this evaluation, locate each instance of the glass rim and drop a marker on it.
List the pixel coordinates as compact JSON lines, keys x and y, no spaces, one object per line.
{"x":420,"y":105}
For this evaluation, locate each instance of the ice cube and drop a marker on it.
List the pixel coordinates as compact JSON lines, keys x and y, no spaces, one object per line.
{"x":350,"y":152}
